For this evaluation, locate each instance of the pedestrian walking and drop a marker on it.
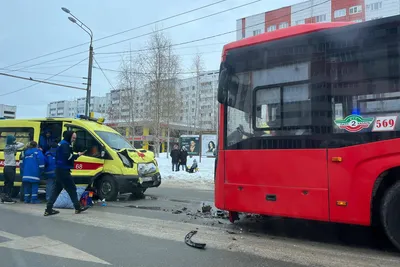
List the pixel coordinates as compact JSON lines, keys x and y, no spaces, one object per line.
{"x":183,"y":158}
{"x":50,"y":169}
{"x":10,"y":151}
{"x":175,"y":158}
{"x":64,"y":163}
{"x":33,"y":169}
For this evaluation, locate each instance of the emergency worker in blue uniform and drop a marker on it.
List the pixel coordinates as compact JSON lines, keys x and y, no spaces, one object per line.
{"x":64,"y":163}
{"x":33,"y":168}
{"x":50,"y":169}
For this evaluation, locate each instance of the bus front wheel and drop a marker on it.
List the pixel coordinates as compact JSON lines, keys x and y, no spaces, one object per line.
{"x":390,"y":215}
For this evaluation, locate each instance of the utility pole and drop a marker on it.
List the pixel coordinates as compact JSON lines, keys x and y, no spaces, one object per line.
{"x":84,"y":27}
{"x":89,"y":81}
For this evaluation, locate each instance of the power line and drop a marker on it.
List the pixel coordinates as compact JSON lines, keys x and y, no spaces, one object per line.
{"x":191,"y":41}
{"x":141,"y":73}
{"x":97,"y":63}
{"x":141,"y":50}
{"x":41,"y":63}
{"x":38,"y":81}
{"x":116,"y":61}
{"x":135,"y":37}
{"x":34,"y":72}
{"x":182,"y":23}
{"x":42,"y":81}
{"x":115,"y":34}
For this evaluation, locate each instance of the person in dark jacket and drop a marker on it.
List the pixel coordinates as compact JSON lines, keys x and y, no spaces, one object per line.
{"x":64,"y":163}
{"x":50,"y":169}
{"x":45,"y":141}
{"x":9,"y":171}
{"x":33,"y":165}
{"x":175,"y":158}
{"x":183,"y":158}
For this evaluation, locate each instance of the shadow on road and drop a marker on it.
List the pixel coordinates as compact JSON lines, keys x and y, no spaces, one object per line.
{"x":329,"y":233}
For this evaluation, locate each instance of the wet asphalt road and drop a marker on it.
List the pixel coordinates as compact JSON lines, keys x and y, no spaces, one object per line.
{"x":150,"y":232}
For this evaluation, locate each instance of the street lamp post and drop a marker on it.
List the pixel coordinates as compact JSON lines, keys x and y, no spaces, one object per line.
{"x":84,"y":27}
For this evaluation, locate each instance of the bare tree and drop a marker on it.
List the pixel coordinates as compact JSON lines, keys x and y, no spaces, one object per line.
{"x":198,"y":67}
{"x":130,"y":80}
{"x":161,"y":68}
{"x":172,"y":102}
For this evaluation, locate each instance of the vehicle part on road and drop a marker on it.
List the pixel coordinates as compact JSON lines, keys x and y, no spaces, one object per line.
{"x":107,"y":188}
{"x":390,"y":215}
{"x":143,"y":207}
{"x":189,"y":242}
{"x":176,"y":212}
{"x":206,"y":208}
{"x":138,"y":193}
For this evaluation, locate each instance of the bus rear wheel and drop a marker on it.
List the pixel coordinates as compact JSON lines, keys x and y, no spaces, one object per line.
{"x":390,"y":215}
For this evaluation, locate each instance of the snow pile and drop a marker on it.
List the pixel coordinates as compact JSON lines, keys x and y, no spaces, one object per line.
{"x":204,"y":178}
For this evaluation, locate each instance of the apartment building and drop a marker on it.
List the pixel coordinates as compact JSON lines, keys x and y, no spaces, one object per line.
{"x":315,"y":11}
{"x":71,"y":108}
{"x":199,"y":101}
{"x":8,"y":112}
{"x":197,"y":96}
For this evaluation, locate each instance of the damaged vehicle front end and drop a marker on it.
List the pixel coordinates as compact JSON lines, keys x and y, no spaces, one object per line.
{"x":140,"y":171}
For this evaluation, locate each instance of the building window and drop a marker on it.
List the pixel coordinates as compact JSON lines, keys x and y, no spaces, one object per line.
{"x":243,"y":34}
{"x":283,"y":25}
{"x":302,"y":21}
{"x":341,"y":13}
{"x":374,"y":6}
{"x":320,"y":18}
{"x":271,"y":28}
{"x":355,"y":10}
{"x":256,"y":32}
{"x":358,"y":20}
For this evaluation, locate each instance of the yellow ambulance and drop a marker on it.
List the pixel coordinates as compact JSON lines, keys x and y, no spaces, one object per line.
{"x":110,"y":164}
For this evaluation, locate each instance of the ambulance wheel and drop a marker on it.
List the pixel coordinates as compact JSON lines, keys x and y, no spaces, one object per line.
{"x":107,"y":188}
{"x":390,"y":216}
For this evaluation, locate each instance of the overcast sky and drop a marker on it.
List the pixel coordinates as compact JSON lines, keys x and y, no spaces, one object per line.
{"x":33,"y":28}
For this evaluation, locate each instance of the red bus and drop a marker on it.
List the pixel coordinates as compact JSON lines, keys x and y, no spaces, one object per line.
{"x":308,"y":124}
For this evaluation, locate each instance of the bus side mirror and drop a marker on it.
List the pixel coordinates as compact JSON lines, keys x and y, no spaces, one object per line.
{"x":103,"y":153}
{"x":222,"y":86}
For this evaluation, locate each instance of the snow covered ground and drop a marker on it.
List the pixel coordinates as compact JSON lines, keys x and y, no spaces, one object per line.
{"x":203,"y":179}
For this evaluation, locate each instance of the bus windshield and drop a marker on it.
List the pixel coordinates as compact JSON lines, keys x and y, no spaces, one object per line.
{"x":114,"y":140}
{"x":295,"y":94}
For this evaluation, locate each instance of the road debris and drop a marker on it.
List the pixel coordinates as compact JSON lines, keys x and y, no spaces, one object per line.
{"x":189,"y":242}
{"x":176,"y":212}
{"x":206,"y":208}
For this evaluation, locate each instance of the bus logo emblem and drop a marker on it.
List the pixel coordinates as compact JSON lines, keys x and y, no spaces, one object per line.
{"x":354,"y":123}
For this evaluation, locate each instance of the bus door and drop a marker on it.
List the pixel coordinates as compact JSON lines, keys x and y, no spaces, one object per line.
{"x":91,"y":164}
{"x":274,"y":165}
